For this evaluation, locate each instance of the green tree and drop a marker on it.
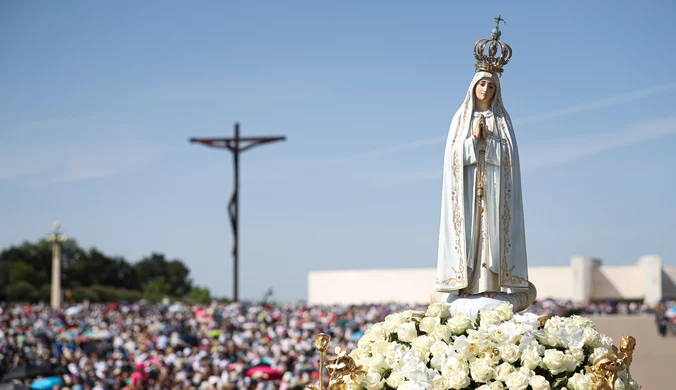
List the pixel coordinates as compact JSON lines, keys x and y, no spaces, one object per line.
{"x":174,"y":273}
{"x":156,"y":290}
{"x":22,"y":272}
{"x":88,"y":274}
{"x":95,"y":268}
{"x":177,"y":275}
{"x":21,"y":292}
{"x":200,"y":295}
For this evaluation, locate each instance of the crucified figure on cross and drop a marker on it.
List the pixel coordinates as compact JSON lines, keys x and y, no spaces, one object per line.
{"x":236,"y":145}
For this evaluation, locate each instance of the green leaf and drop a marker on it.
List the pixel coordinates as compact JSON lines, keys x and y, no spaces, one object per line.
{"x":560,"y":383}
{"x":387,"y":373}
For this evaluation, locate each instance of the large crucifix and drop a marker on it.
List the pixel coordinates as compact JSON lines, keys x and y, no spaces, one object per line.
{"x":236,"y":145}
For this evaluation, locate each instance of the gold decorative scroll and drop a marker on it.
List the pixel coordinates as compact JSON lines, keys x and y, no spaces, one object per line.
{"x":607,"y":367}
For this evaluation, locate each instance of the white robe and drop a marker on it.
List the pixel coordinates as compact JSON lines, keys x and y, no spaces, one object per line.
{"x":483,"y":266}
{"x":463,"y":259}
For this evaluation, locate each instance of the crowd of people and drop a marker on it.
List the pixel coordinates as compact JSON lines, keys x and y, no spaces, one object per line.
{"x":567,"y":307}
{"x":178,"y":346}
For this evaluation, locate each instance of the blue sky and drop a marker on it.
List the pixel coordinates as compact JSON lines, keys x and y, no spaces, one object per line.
{"x":98,"y":101}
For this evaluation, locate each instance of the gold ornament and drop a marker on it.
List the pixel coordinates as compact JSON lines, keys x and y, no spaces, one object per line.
{"x":489,"y":60}
{"x":340,"y":366}
{"x":607,"y":367}
{"x":322,"y":342}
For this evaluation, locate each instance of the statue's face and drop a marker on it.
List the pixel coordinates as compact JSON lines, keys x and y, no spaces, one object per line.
{"x":484,"y":90}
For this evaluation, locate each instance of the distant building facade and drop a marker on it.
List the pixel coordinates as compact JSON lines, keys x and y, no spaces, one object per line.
{"x":585,"y":280}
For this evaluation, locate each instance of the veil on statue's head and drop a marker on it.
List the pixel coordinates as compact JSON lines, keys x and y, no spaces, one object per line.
{"x":478,"y":76}
{"x":463,"y":117}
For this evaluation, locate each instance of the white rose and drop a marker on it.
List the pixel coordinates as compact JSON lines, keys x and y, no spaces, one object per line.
{"x":577,"y":354}
{"x":554,"y":322}
{"x":488,"y":317}
{"x":407,"y":332}
{"x":592,"y":338}
{"x":381,"y":347}
{"x":517,"y":381}
{"x":458,"y":379}
{"x":465,"y":347}
{"x":359,"y":356}
{"x":377,"y":363}
{"x":606,"y":341}
{"x":377,"y":330}
{"x":373,"y":381}
{"x":437,"y":310}
{"x":526,"y":371}
{"x":496,"y":385}
{"x":513,"y":332}
{"x":394,"y":379}
{"x":538,"y":382}
{"x":365,"y":341}
{"x":436,"y":361}
{"x":503,"y":370}
{"x":530,"y":358}
{"x":422,"y":344}
{"x":581,"y":382}
{"x":554,"y":361}
{"x":481,"y":370}
{"x":456,"y":363}
{"x":504,"y":311}
{"x":428,"y":324}
{"x":579,"y":322}
{"x":571,"y":337}
{"x":442,"y":332}
{"x":483,"y":387}
{"x":392,"y":322}
{"x":440,"y":383}
{"x":528,"y":320}
{"x":440,"y":348}
{"x":569,"y":363}
{"x":509,"y":353}
{"x":550,"y":337}
{"x":357,"y":353}
{"x":459,"y":323}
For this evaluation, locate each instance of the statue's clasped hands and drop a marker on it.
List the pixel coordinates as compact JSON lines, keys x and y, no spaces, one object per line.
{"x":481,"y":130}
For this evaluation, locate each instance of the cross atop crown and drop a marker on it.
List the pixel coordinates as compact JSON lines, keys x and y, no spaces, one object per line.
{"x":490,"y":60}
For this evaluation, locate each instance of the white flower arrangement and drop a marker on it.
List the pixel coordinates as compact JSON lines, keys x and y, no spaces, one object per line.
{"x":501,"y":350}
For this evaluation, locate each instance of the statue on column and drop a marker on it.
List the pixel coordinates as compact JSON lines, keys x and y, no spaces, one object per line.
{"x":482,"y":242}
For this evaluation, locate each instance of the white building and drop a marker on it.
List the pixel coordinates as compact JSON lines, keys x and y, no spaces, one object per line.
{"x":585,"y":280}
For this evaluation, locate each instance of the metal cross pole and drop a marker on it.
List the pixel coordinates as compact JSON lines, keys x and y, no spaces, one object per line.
{"x":236,"y":145}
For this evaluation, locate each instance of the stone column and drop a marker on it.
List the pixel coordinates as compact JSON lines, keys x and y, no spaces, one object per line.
{"x":56,"y":276}
{"x":56,"y":238}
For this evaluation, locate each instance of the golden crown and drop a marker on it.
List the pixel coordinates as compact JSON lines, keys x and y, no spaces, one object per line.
{"x":490,"y":60}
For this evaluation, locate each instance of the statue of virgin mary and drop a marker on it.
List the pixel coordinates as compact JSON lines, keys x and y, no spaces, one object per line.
{"x":482,"y":242}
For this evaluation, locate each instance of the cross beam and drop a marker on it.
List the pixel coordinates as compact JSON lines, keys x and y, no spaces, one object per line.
{"x":236,"y":145}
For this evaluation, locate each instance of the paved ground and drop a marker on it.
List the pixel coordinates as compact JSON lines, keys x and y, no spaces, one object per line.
{"x":655,"y":356}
